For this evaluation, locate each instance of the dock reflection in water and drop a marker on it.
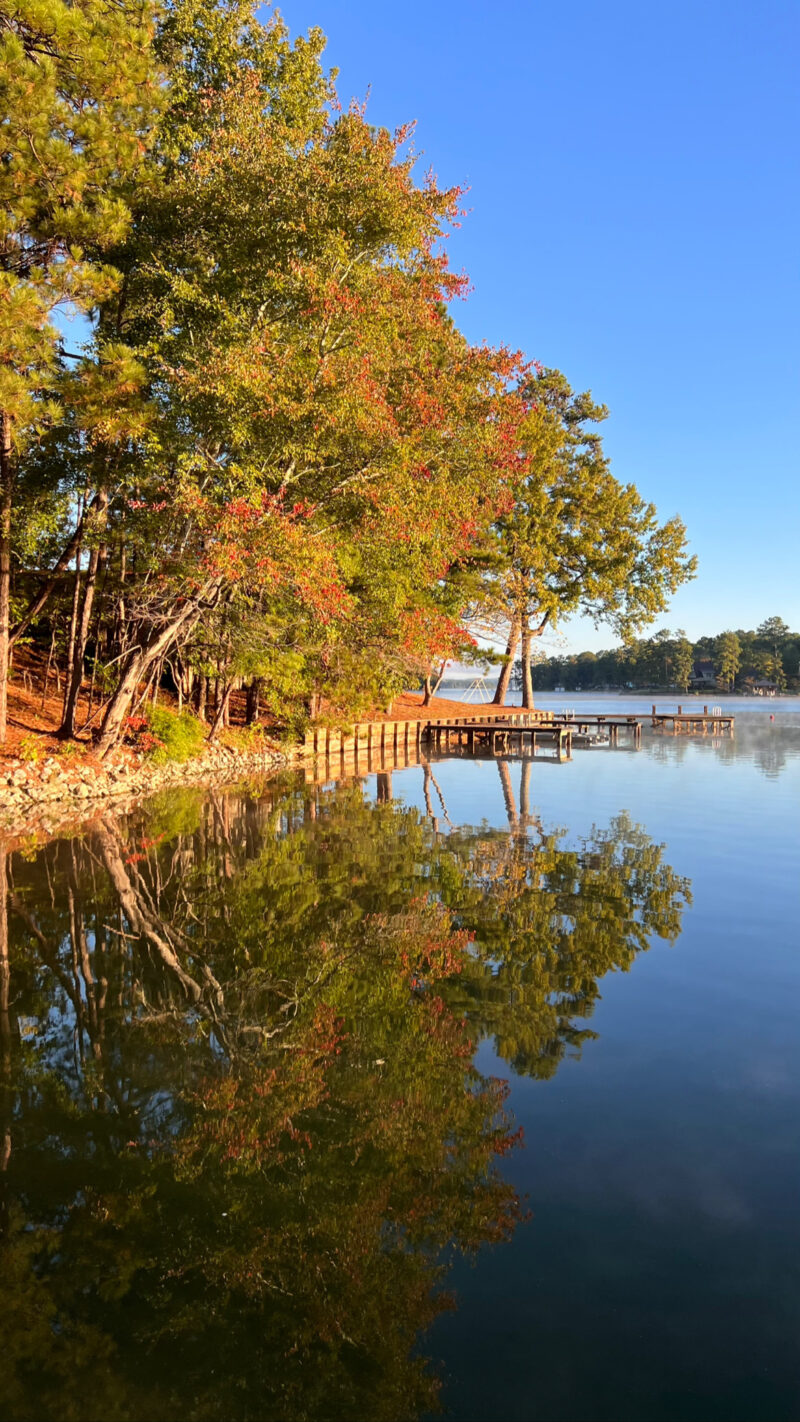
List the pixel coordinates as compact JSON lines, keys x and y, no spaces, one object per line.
{"x":242,"y":1132}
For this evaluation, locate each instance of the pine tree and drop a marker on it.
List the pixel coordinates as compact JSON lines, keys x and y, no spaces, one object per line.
{"x":78,"y":90}
{"x":574,"y":538}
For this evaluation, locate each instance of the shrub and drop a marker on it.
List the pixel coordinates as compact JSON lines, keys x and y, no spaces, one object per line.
{"x":30,"y":749}
{"x":178,"y":736}
{"x":70,"y":750}
{"x":245,"y":738}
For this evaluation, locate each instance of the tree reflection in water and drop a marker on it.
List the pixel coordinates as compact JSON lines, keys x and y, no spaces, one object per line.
{"x":241,"y":1129}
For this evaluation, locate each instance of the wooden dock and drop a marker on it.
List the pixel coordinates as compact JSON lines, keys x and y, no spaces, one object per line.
{"x":612,"y":725}
{"x":500,"y":737}
{"x":386,"y":745}
{"x":513,"y":732}
{"x":402,"y":735}
{"x":692,"y":723}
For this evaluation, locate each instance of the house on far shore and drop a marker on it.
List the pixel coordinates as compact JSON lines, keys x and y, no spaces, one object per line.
{"x":762,"y":687}
{"x":703,"y":674}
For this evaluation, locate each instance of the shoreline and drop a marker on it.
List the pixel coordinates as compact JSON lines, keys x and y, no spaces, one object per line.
{"x":57,"y":790}
{"x":56,"y":794}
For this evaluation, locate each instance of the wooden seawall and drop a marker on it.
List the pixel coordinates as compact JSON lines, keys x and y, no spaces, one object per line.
{"x":384,"y":746}
{"x":393,"y":736}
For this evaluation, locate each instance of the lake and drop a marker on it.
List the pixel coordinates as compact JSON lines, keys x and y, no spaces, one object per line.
{"x":468,"y":1089}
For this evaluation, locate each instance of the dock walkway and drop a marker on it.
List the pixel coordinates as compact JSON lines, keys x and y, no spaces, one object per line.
{"x":505,"y":731}
{"x":692,"y":723}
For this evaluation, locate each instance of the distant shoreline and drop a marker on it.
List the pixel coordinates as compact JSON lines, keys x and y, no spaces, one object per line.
{"x":669,"y":691}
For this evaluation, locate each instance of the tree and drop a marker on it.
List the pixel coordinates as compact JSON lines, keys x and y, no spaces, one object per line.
{"x":252,"y":466}
{"x":682,"y":661}
{"x":78,"y":91}
{"x":573,"y":538}
{"x":773,"y":629}
{"x":318,"y":414}
{"x":728,"y":657}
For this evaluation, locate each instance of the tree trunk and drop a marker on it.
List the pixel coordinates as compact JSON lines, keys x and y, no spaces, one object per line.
{"x":224,"y":701}
{"x":139,"y":659}
{"x":525,"y":793}
{"x":48,"y":666}
{"x":501,"y":690}
{"x":120,"y":630}
{"x":67,"y":728}
{"x":63,"y":561}
{"x":6,"y":494}
{"x":117,"y":708}
{"x":253,"y":701}
{"x":432,"y":684}
{"x":73,"y":631}
{"x":527,"y":677}
{"x":139,"y":915}
{"x":508,"y":793}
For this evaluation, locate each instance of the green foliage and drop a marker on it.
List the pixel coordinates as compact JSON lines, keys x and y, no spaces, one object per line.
{"x":180,"y":735}
{"x":78,"y":91}
{"x":30,"y":749}
{"x":682,"y":661}
{"x":574,"y":539}
{"x":69,"y":750}
{"x":728,"y":658}
{"x":277,"y":459}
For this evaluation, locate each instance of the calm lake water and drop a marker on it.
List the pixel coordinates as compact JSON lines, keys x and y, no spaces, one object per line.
{"x":472,"y":1089}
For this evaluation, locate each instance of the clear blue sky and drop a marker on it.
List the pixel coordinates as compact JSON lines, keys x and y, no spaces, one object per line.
{"x":635,"y":216}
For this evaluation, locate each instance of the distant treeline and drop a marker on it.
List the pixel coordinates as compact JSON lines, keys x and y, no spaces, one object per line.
{"x":766,"y":659}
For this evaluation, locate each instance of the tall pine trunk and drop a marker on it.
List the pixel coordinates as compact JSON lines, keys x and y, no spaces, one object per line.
{"x":501,"y":690}
{"x":79,"y":640}
{"x":527,"y":675}
{"x":6,"y":493}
